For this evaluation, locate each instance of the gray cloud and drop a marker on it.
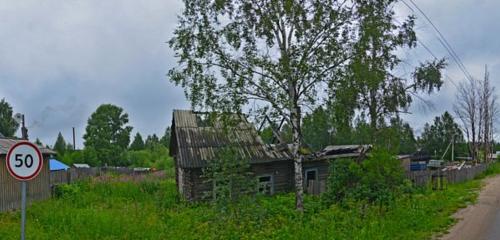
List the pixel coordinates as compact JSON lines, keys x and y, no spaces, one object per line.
{"x":60,"y":59}
{"x":471,"y":29}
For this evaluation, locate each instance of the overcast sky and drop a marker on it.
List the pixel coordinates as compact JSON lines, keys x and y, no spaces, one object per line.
{"x":59,"y":60}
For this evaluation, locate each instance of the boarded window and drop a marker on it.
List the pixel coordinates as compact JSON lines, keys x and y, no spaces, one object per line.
{"x":266,"y":184}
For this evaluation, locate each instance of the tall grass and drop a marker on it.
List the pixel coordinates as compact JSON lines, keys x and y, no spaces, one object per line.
{"x":152,"y":210}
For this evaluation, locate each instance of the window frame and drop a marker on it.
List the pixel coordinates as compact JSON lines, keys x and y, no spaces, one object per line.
{"x":271,"y":176}
{"x":306,"y":181}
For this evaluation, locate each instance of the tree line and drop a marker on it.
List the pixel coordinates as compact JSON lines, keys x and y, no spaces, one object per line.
{"x":106,"y":140}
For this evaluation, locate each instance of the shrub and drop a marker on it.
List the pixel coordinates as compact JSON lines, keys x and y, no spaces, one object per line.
{"x":66,"y":190}
{"x":345,"y":176}
{"x":229,"y":174}
{"x":382,"y":177}
{"x":377,"y":180}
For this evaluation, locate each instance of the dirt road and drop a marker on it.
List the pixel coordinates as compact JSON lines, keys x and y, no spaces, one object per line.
{"x":481,"y":220}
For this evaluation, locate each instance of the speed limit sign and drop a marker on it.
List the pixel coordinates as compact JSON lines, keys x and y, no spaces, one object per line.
{"x":24,"y":161}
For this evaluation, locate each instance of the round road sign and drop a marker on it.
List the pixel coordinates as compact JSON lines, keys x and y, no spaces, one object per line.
{"x":24,"y":161}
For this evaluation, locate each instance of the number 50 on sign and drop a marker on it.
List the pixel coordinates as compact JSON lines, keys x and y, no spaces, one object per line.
{"x":24,"y":161}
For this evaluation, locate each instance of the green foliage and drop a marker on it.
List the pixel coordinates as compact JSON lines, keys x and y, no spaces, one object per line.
{"x":381,"y":94}
{"x":88,"y":155}
{"x":96,"y":210}
{"x":267,"y":135}
{"x":138,"y":143}
{"x":320,"y":129}
{"x":67,"y":190}
{"x":224,"y":64}
{"x":60,"y":144}
{"x":151,"y":141}
{"x":317,"y":129}
{"x":362,"y":132}
{"x":71,"y":157}
{"x":436,"y":137}
{"x":107,"y":134}
{"x":152,"y":210}
{"x":165,"y":140}
{"x":230,"y":176}
{"x":156,"y":157}
{"x":397,"y":138}
{"x":377,"y":180}
{"x":8,"y":126}
{"x":382,"y":177}
{"x":343,"y":181}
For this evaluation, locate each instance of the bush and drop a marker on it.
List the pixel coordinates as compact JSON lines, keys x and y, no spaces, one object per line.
{"x":377,"y":180}
{"x":66,"y":190}
{"x":382,"y":177}
{"x":230,"y":176}
{"x":345,"y":176}
{"x":155,"y":157}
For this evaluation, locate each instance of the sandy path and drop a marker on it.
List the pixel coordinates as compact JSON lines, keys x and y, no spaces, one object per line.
{"x":481,"y":220}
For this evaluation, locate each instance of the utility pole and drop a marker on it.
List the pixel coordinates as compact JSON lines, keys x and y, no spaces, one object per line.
{"x":74,"y":142}
{"x":24,"y":130}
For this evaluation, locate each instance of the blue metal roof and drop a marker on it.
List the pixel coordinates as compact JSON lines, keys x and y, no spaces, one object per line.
{"x":56,"y":165}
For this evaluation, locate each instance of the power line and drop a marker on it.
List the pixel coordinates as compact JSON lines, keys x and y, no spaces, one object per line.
{"x":427,"y":48}
{"x":421,"y":43}
{"x":451,"y":80}
{"x":431,"y":53}
{"x":442,"y":40}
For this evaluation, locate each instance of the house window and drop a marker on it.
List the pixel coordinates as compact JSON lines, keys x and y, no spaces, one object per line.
{"x":266,"y":184}
{"x":311,"y":175}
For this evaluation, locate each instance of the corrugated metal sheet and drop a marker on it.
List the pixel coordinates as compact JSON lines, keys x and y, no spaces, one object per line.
{"x":196,"y":144}
{"x":6,"y":143}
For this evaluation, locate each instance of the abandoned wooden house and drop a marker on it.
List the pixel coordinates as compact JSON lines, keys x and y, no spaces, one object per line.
{"x":195,"y":140}
{"x":10,"y":188}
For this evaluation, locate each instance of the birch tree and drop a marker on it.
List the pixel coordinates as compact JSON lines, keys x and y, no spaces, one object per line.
{"x":381,"y":92}
{"x":282,"y":54}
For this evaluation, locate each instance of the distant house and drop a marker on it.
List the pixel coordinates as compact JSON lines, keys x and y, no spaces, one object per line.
{"x":196,"y":140}
{"x":415,"y":162}
{"x":80,"y":165}
{"x":10,"y":189}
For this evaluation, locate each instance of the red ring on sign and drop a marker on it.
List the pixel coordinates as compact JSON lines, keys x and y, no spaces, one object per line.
{"x":37,"y":171}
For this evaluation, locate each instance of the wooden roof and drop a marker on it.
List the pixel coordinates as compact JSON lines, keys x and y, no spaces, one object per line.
{"x":6,"y":143}
{"x":196,"y":140}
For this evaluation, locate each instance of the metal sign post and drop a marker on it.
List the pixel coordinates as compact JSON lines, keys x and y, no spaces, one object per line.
{"x":24,"y":162}
{"x":23,"y":209}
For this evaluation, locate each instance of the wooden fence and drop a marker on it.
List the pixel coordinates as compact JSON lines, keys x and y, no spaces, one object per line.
{"x":422,"y":178}
{"x":10,"y":188}
{"x":76,"y":174}
{"x":419,"y":178}
{"x":40,"y":188}
{"x":72,"y":175}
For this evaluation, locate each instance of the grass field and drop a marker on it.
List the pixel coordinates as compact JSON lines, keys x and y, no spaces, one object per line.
{"x":117,"y":209}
